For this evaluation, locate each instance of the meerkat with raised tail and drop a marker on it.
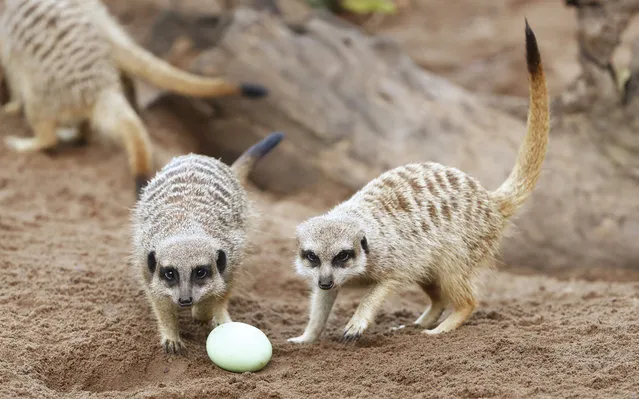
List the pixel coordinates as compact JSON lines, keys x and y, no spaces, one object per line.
{"x":69,"y":64}
{"x":420,"y":223}
{"x":189,"y":234}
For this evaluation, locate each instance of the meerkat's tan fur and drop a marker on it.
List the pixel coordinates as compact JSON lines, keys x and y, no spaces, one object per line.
{"x":189,"y":234}
{"x":420,"y":223}
{"x":68,"y":63}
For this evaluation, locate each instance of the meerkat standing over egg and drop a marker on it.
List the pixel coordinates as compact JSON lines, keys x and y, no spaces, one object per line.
{"x":420,"y":223}
{"x":189,"y":233}
{"x":68,"y":64}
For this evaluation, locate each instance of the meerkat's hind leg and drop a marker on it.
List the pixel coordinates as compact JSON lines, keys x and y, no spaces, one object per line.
{"x":437,"y":306}
{"x":368,"y":308}
{"x":167,"y":318}
{"x":459,"y":293}
{"x":114,"y":116}
{"x":45,"y":138}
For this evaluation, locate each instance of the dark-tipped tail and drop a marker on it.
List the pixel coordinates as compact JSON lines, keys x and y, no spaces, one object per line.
{"x":252,"y":90}
{"x":245,"y":163}
{"x":523,"y":178}
{"x":533,"y":58}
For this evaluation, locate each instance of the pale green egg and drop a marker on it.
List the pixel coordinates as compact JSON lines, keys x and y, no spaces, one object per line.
{"x":239,"y":347}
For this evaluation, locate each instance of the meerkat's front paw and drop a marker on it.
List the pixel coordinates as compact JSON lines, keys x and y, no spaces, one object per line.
{"x":354,"y":330}
{"x":173,"y":346}
{"x":300,"y":340}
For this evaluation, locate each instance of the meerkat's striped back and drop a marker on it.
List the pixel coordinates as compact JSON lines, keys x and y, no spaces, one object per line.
{"x":432,"y":202}
{"x":65,"y":55}
{"x":193,"y":191}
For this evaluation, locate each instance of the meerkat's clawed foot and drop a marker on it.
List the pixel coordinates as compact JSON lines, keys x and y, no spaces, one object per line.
{"x":367,"y":309}
{"x":429,"y":318}
{"x":173,"y":346}
{"x":12,"y":108}
{"x":354,"y":330}
{"x":166,"y":314}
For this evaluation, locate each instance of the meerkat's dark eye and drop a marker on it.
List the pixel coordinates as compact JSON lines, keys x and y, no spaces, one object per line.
{"x":170,"y":274}
{"x":201,"y":272}
{"x":311,"y":256}
{"x":221,"y":261}
{"x":344,"y":256}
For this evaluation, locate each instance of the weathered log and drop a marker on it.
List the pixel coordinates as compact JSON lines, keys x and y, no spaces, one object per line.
{"x":353,"y":106}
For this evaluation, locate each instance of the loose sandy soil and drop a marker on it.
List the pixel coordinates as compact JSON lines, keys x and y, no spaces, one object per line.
{"x":74,"y":324}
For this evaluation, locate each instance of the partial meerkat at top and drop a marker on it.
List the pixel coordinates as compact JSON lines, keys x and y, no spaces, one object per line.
{"x":189,"y":233}
{"x":68,"y":63}
{"x":424,"y":224}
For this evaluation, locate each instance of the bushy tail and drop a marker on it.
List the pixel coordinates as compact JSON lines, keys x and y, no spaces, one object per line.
{"x":137,"y":61}
{"x":516,"y":189}
{"x":245,"y":163}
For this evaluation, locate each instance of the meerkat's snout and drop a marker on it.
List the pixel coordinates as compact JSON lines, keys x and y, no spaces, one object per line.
{"x":326,"y":282}
{"x":185,"y":302}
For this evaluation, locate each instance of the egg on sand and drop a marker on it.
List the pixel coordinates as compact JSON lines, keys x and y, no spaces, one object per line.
{"x":238,"y":347}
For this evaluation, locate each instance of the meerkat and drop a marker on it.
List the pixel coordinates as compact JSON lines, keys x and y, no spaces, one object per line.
{"x":69,"y":64}
{"x":189,"y":234}
{"x":421,"y":223}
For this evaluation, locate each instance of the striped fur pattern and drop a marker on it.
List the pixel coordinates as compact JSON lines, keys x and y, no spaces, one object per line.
{"x":421,"y":223}
{"x":192,"y":209}
{"x":191,"y":222}
{"x":51,"y":48}
{"x":66,"y":62}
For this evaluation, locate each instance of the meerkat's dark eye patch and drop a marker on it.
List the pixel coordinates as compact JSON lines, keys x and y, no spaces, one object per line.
{"x":151,"y":262}
{"x":364,"y":244}
{"x":343,"y":256}
{"x":311,"y":257}
{"x":201,"y":272}
{"x":221,"y":261}
{"x":170,"y":275}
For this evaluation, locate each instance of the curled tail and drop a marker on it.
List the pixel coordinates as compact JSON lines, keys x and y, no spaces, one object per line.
{"x":244,"y":164}
{"x":137,"y":61}
{"x":518,"y":186}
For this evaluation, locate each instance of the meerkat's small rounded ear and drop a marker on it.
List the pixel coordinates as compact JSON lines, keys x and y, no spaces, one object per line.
{"x":221,"y":261}
{"x":151,"y":262}
{"x":364,"y":243}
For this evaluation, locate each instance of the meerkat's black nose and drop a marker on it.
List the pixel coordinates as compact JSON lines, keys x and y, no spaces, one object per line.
{"x":185,"y":302}
{"x":326,"y":284}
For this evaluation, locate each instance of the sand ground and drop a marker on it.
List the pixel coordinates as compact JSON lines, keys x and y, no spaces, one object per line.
{"x":75,"y":325}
